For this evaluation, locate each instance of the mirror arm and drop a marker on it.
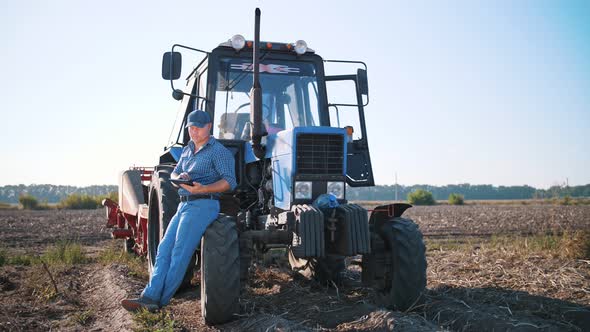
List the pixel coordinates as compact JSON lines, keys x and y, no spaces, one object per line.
{"x":178,"y":93}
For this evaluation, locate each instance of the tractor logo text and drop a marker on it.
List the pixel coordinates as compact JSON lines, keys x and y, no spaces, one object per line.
{"x":269,"y":68}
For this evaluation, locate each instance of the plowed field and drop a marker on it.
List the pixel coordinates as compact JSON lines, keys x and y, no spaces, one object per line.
{"x":490,"y":267}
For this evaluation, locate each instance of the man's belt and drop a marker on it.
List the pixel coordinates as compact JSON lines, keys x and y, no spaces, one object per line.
{"x":185,"y":198}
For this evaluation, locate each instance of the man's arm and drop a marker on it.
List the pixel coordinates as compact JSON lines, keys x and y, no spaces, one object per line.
{"x":178,"y":173}
{"x":224,"y":164}
{"x":215,"y":187}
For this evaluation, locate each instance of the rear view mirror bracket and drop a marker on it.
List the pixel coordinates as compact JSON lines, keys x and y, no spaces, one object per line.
{"x":172,"y":67}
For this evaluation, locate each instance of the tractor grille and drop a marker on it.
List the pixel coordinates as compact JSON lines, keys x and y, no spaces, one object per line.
{"x":320,"y":154}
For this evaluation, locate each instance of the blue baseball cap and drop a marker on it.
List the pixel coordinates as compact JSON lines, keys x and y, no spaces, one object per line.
{"x":198,"y":118}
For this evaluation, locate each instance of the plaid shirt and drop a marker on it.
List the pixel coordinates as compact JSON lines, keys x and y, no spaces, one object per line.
{"x":211,"y":163}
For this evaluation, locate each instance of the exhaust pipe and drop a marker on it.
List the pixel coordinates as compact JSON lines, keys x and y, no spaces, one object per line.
{"x":258,"y":129}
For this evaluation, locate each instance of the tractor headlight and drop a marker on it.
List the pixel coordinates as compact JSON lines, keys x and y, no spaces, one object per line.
{"x":336,"y":189}
{"x":238,"y":42}
{"x":300,"y":47}
{"x":303,"y":190}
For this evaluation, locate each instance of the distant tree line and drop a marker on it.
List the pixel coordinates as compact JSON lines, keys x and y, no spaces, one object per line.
{"x":72,"y":202}
{"x":48,"y":193}
{"x":54,"y":194}
{"x":468,"y":191}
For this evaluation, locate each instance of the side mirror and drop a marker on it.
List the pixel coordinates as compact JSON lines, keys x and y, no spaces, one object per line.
{"x":171,"y":65}
{"x":363,"y":83}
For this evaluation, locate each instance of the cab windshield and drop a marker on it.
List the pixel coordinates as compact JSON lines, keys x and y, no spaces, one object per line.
{"x":289,"y":96}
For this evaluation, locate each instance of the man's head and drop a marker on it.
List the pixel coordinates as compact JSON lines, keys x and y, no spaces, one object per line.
{"x":199,"y":126}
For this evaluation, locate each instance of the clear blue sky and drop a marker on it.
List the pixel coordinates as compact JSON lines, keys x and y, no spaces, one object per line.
{"x":485,"y":92}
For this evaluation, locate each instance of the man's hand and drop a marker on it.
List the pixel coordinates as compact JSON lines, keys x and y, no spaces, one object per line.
{"x":196,"y":188}
{"x":184,"y":175}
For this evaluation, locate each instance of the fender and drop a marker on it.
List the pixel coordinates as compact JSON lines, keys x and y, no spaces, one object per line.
{"x":130,"y":192}
{"x":383,"y":213}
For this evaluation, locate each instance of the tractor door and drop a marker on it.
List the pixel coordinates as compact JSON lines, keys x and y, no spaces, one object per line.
{"x":345,"y":104}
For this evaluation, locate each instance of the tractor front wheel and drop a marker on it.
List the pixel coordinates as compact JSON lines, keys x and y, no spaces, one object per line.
{"x":398,"y":255}
{"x":220,"y":271}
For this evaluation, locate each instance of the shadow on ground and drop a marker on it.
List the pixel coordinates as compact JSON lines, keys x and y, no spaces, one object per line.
{"x":497,"y":309}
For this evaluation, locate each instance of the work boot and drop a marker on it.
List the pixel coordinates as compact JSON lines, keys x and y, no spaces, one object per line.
{"x":141,"y":302}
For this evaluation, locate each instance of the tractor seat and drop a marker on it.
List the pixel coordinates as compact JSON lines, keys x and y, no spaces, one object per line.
{"x":231,"y":125}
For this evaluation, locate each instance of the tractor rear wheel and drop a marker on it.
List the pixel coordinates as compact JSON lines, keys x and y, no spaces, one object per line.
{"x":404,"y":255}
{"x":220,"y":271}
{"x":163,"y":203}
{"x":322,"y":269}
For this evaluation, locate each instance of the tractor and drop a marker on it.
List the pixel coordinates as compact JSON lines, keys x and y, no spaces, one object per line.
{"x":295,"y":154}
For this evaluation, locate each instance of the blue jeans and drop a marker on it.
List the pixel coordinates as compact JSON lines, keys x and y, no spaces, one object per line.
{"x":177,"y":247}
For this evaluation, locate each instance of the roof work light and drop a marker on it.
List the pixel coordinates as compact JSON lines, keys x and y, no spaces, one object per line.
{"x":300,"y":47}
{"x":238,"y":42}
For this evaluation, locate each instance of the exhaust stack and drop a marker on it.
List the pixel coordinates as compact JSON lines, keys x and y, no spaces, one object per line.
{"x":258,"y":129}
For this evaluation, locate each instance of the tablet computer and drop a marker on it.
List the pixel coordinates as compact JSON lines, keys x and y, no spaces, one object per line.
{"x":182,"y":181}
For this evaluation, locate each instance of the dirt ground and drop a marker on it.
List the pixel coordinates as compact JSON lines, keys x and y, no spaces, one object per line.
{"x":475,"y":282}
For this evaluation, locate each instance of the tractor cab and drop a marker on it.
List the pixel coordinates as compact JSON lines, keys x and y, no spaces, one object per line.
{"x":290,"y":96}
{"x":294,"y":107}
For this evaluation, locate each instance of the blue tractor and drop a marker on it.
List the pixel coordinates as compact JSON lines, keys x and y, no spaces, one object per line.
{"x":295,"y":154}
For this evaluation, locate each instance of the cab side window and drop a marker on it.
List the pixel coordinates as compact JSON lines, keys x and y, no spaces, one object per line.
{"x":344,"y":92}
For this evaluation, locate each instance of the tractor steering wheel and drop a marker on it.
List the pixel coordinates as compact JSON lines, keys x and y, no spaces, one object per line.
{"x":246,"y":104}
{"x":232,"y":130}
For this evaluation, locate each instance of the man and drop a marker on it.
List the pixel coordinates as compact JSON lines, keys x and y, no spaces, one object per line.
{"x":210,"y":167}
